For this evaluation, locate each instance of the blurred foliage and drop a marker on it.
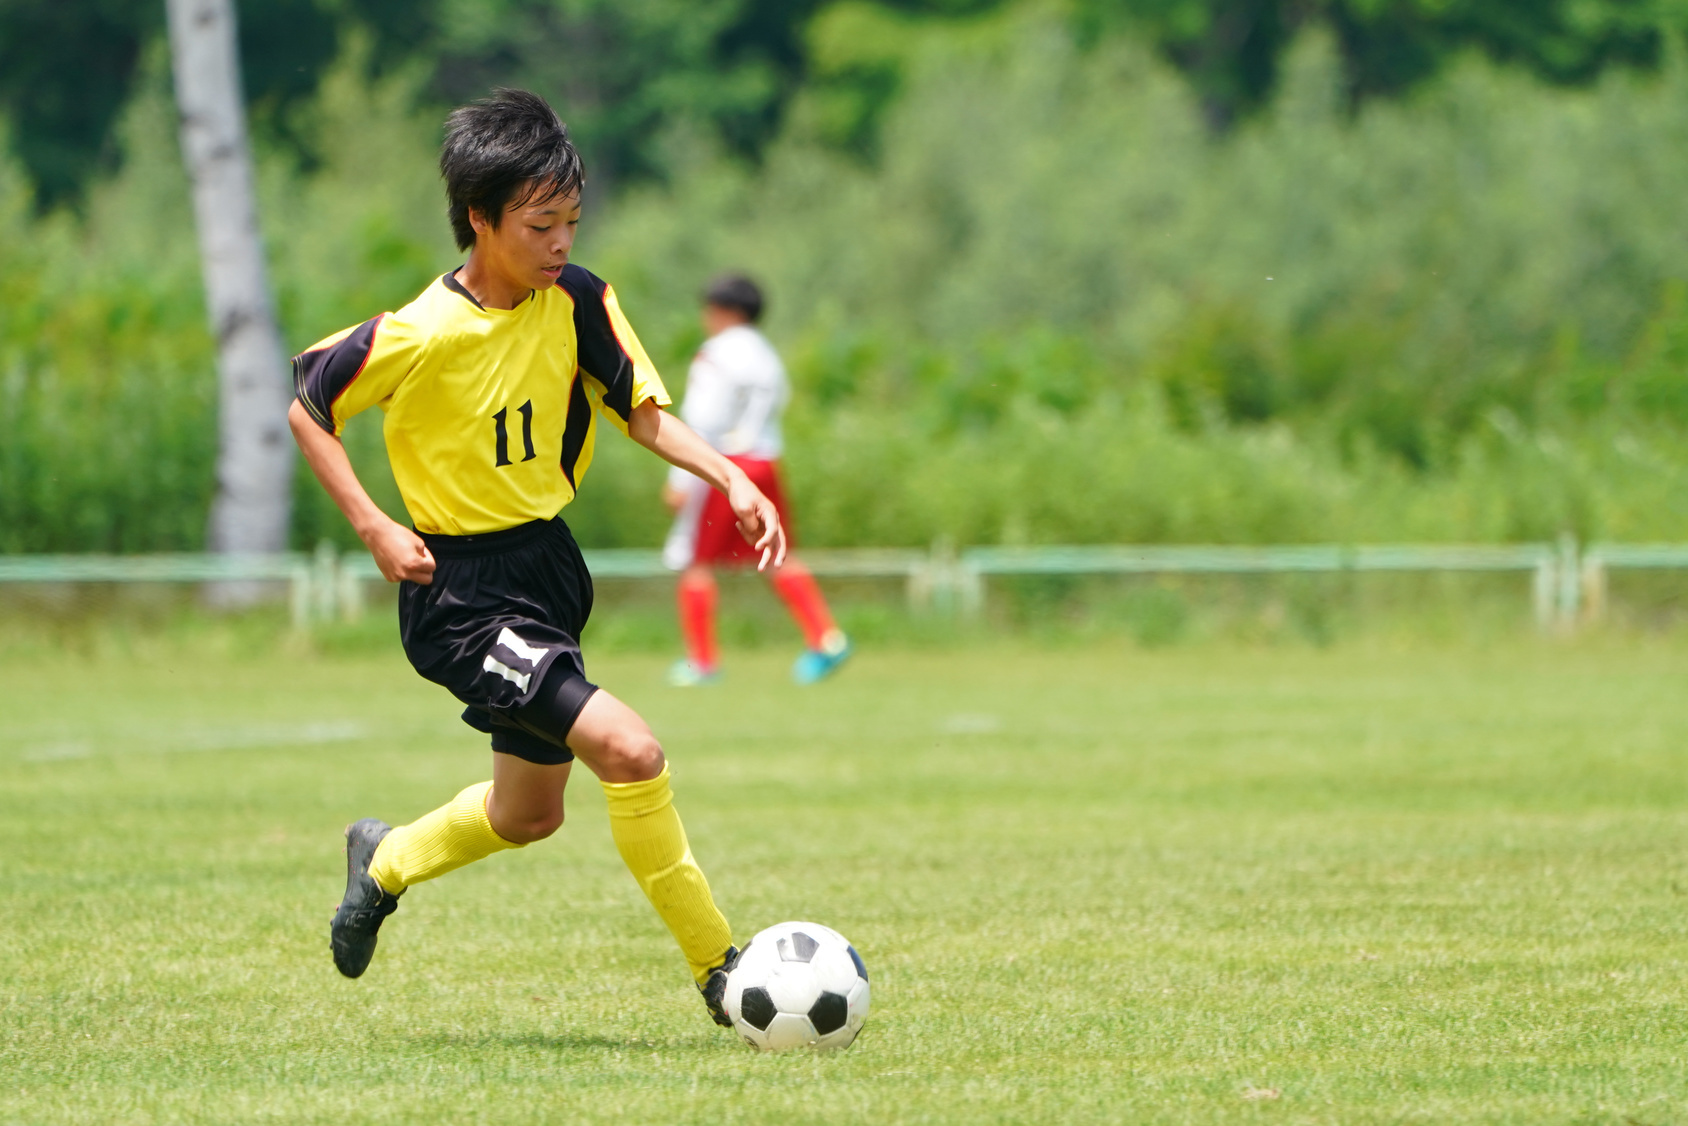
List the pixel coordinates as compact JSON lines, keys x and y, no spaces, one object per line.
{"x":622,"y":72}
{"x":627,"y":72}
{"x":1232,"y":49}
{"x":1055,"y":306}
{"x":68,"y":66}
{"x":1039,"y":299}
{"x":107,"y":404}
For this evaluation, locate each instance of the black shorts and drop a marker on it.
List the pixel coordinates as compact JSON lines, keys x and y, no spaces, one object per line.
{"x":499,"y":627}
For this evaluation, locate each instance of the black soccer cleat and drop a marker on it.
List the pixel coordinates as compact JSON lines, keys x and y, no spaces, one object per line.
{"x":352,"y":933}
{"x":715,"y":989}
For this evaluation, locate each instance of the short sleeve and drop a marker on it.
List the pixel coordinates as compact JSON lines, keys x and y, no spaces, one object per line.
{"x":352,"y":371}
{"x":610,"y":354}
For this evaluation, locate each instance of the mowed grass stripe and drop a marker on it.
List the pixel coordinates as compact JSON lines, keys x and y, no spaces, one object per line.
{"x":1202,"y":885}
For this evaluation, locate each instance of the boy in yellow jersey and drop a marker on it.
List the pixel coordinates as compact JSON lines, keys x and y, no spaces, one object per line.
{"x":490,"y":381}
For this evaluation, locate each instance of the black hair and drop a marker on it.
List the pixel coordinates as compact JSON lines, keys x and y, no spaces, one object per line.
{"x":736,"y":292}
{"x":507,"y":145}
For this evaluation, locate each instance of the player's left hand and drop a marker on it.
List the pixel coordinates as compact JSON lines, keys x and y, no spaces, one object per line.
{"x":758,"y":521}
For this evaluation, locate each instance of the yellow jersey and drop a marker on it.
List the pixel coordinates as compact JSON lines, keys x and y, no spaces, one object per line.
{"x":489,"y":412}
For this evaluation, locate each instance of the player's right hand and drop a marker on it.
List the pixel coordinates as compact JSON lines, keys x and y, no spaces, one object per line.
{"x":401,"y":554}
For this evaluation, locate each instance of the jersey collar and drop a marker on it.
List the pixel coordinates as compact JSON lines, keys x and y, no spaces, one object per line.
{"x":449,"y":280}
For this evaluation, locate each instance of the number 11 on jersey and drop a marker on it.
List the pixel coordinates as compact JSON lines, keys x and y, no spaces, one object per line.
{"x":501,"y":435}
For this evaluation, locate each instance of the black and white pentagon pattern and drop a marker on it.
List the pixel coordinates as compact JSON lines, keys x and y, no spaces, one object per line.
{"x":798,"y":985}
{"x":829,"y":1013}
{"x":798,"y":946}
{"x":757,"y":1008}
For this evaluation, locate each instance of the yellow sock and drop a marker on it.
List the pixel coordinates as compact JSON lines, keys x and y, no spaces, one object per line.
{"x":652,"y":842}
{"x":453,"y":835}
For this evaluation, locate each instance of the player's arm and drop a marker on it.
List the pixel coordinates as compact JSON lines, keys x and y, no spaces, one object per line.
{"x":678,"y":444}
{"x":631,"y":397}
{"x":333,"y":380}
{"x":398,"y":551}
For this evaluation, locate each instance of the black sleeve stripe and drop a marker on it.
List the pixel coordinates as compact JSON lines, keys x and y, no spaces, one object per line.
{"x":575,"y":429}
{"x":322,"y":376}
{"x":600,"y":351}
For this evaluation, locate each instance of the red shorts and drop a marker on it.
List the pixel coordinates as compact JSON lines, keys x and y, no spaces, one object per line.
{"x":718,"y":538}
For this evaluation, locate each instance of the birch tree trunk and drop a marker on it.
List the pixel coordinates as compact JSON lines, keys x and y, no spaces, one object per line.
{"x":254,"y":451}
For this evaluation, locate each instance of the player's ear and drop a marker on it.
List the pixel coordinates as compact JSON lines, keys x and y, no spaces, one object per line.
{"x":477,"y":220}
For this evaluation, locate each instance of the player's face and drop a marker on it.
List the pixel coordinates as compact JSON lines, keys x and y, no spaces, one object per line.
{"x":531,"y":246}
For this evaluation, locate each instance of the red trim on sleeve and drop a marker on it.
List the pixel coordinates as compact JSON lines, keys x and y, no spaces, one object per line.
{"x":374,"y":328}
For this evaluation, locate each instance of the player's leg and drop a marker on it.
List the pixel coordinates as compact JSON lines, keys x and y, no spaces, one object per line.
{"x":617,"y":746}
{"x":523,"y":803}
{"x":827,"y":647}
{"x":697,"y":596}
{"x":382,"y":862}
{"x":457,"y":833}
{"x":524,"y":684}
{"x":526,"y":800}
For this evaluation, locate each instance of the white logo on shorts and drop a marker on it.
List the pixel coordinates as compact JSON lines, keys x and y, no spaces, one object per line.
{"x":513,"y":659}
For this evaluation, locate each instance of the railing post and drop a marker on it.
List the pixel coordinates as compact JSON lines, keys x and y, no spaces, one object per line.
{"x":299,"y":596}
{"x":920,"y":584}
{"x":325,"y":586}
{"x":349,"y":592}
{"x":970,"y":589}
{"x":1594,"y":586}
{"x":1570,"y":584}
{"x":1542,"y":588}
{"x":941,"y":568}
{"x":958,"y":586}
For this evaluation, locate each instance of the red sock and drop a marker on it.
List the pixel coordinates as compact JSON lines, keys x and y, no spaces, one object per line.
{"x":802,"y":597}
{"x":696,"y":594}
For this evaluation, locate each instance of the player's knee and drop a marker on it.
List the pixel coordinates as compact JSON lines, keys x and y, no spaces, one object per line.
{"x":635,"y":754}
{"x":529,"y":826}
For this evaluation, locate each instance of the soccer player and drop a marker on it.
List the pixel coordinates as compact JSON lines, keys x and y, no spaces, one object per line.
{"x":489,"y":381}
{"x":735,"y":394}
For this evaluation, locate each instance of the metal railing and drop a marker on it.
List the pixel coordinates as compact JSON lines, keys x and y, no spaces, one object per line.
{"x":293,"y":568}
{"x":1568,"y":584}
{"x":1552,"y":597}
{"x":1600,"y":559}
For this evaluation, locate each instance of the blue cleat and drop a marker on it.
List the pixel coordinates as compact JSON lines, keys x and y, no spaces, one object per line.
{"x":686,"y":674}
{"x":817,"y":664}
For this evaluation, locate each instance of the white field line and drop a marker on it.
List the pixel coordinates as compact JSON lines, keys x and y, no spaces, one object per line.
{"x":234,"y":738}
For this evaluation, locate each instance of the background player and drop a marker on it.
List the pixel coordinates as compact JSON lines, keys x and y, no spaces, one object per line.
{"x":736,"y":392}
{"x":489,"y":380}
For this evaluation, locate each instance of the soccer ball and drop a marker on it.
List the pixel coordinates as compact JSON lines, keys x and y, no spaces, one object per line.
{"x":798,"y":985}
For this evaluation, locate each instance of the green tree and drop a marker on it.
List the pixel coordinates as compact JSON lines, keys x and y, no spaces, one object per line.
{"x":68,"y":66}
{"x":622,"y":70}
{"x":65,"y":71}
{"x":1230,"y":49}
{"x":625,"y":73}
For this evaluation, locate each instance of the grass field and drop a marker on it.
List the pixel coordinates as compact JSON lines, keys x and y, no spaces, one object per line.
{"x":1092,"y":884}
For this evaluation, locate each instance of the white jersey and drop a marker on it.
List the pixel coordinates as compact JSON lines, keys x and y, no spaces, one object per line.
{"x":736,"y":392}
